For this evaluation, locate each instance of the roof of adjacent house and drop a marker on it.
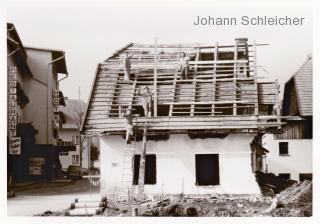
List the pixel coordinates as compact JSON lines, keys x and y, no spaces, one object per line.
{"x":14,"y":41}
{"x":17,"y":50}
{"x":72,"y":112}
{"x":57,"y":55}
{"x":302,"y":82}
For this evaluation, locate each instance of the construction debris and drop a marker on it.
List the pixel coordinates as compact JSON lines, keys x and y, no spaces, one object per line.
{"x":296,"y":200}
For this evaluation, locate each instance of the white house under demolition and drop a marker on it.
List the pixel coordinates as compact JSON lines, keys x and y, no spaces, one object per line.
{"x":207,"y":104}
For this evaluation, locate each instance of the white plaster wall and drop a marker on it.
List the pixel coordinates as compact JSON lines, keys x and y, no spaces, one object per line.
{"x":66,"y":161}
{"x":176,"y":164}
{"x":298,"y":161}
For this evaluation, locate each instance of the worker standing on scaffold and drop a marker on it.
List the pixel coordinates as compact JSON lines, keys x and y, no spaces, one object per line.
{"x":127,"y":66}
{"x":146,"y":100}
{"x":129,"y":127}
{"x":184,"y":66}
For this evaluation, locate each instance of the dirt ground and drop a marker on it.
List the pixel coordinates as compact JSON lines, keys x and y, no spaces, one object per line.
{"x":295,"y":201}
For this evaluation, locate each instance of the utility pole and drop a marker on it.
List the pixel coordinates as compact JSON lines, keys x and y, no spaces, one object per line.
{"x":142,"y":165}
{"x":155,"y":79}
{"x":81,"y":137}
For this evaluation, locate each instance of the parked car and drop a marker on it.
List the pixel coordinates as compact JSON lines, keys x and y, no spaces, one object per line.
{"x":74,"y":172}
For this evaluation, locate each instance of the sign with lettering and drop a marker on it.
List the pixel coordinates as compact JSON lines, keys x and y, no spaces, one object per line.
{"x":55,"y":100}
{"x":14,"y":142}
{"x":35,"y":170}
{"x":14,"y":145}
{"x":76,"y":140}
{"x":36,"y":161}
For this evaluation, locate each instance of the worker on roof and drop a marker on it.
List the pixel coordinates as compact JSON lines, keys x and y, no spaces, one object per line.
{"x":127,"y":66}
{"x":128,"y":125}
{"x":184,"y":65}
{"x":146,"y":100}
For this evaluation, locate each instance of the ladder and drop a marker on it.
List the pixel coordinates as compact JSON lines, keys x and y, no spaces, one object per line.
{"x":127,"y":172}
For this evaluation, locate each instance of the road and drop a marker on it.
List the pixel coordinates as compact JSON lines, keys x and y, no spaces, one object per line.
{"x":53,"y":197}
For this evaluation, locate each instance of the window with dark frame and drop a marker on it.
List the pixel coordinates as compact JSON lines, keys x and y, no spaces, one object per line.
{"x":283,"y":148}
{"x":285,"y":176}
{"x":207,"y":169}
{"x":305,"y":176}
{"x":150,"y":175}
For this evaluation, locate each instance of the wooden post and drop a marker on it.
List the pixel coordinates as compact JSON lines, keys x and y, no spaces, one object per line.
{"x":155,"y":78}
{"x":277,"y":101}
{"x":255,"y":73}
{"x":173,"y":94}
{"x":142,"y":164}
{"x":194,"y":83}
{"x":196,"y":65}
{"x":235,"y":73}
{"x":214,"y":87}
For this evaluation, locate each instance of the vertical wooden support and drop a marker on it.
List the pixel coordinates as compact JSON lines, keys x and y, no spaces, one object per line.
{"x":133,"y":92}
{"x":255,"y":73}
{"x":195,"y":73}
{"x":194,"y":83}
{"x":214,"y":86}
{"x":235,"y":74}
{"x":142,"y":165}
{"x":277,"y":104}
{"x":155,"y":79}
{"x":173,"y":93}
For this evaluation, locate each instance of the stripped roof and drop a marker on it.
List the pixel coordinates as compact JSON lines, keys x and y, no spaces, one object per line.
{"x":207,"y":99}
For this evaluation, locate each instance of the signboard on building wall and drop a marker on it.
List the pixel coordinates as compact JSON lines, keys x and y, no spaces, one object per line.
{"x":76,"y":140}
{"x":35,"y":165}
{"x":14,"y":145}
{"x":35,"y":170}
{"x":14,"y":142}
{"x":36,"y":161}
{"x":55,"y":100}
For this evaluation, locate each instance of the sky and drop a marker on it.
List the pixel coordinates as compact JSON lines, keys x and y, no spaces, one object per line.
{"x":89,"y":35}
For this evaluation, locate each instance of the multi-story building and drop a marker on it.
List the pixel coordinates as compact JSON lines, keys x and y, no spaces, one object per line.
{"x":33,"y":114}
{"x":290,"y":153}
{"x":73,"y":113}
{"x":207,"y":105}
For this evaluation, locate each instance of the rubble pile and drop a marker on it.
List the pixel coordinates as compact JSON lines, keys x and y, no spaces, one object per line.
{"x":296,"y":200}
{"x":192,"y":207}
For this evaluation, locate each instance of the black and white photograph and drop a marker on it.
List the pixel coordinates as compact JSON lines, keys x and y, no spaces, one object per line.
{"x":129,"y":111}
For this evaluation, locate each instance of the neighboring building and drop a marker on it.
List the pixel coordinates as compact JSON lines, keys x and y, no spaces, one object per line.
{"x":33,"y":101}
{"x":201,"y":128}
{"x":73,"y":113}
{"x":290,"y":153}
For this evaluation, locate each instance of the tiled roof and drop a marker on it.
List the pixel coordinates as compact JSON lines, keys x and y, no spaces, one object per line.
{"x":303,"y":85}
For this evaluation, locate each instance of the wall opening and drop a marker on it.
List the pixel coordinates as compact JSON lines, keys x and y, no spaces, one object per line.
{"x":163,"y":110}
{"x":285,"y":176}
{"x":207,"y":169}
{"x":150,"y":175}
{"x":305,"y":176}
{"x":283,"y":148}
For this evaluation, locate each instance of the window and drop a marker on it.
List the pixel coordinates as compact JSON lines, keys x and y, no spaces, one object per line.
{"x":305,"y":176}
{"x":285,"y":176}
{"x":207,"y":169}
{"x":283,"y":148}
{"x":75,"y":159}
{"x":150,"y":170}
